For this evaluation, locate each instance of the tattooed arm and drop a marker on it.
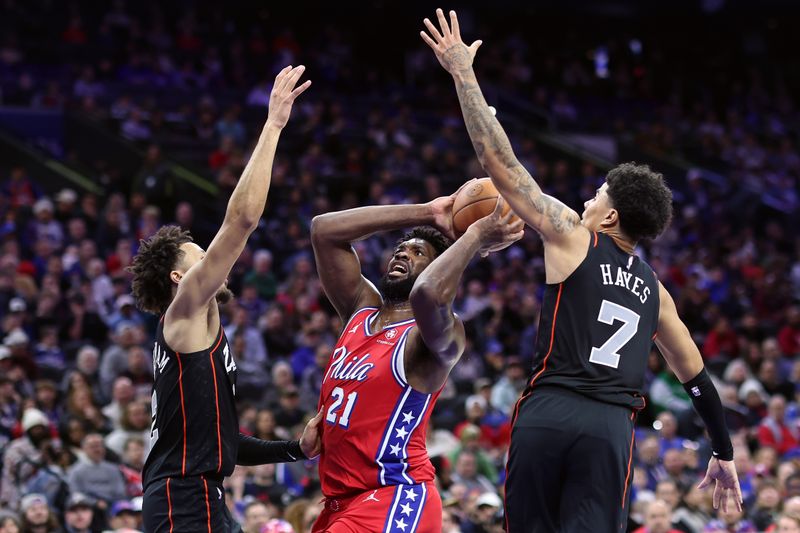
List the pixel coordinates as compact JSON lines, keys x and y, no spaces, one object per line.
{"x":547,"y":215}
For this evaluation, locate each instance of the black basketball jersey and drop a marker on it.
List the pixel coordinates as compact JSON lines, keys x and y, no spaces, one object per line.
{"x":597,"y":327}
{"x":195,"y":427}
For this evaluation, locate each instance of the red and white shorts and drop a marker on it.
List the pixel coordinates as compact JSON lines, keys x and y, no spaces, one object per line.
{"x":394,"y":509}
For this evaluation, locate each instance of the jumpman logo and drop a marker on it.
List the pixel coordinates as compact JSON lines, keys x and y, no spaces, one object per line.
{"x":371,"y":497}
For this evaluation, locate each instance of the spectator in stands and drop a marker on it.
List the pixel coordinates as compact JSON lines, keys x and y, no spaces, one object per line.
{"x":37,"y":516}
{"x":658,"y":518}
{"x":22,"y":455}
{"x":134,"y":423}
{"x":774,"y":432}
{"x":78,"y":514}
{"x":508,"y":388}
{"x":96,"y":477}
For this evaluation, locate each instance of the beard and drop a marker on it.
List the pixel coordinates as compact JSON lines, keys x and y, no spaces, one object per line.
{"x":224,"y":296}
{"x":396,"y":291}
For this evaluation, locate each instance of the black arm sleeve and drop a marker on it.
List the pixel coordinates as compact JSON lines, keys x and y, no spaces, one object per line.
{"x":253,"y":451}
{"x":708,"y":405}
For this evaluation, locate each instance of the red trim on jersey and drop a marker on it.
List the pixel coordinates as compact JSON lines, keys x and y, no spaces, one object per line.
{"x":654,"y":336}
{"x":628,"y":474}
{"x":595,"y":239}
{"x":208,"y":506}
{"x":552,"y":335}
{"x":169,"y":508}
{"x":216,"y":400}
{"x":544,"y":366}
{"x":183,"y":411}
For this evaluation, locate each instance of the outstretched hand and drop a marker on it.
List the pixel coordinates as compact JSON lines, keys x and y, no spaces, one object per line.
{"x":450,"y":50}
{"x":311,"y":441}
{"x":442,"y":210}
{"x":284,"y":93}
{"x":723,"y":473}
{"x":498,"y":230}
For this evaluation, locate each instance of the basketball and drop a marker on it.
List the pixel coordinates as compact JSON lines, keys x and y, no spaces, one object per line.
{"x":474,"y":202}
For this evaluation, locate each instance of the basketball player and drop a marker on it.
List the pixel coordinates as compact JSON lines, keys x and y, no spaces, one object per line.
{"x":395,"y":352}
{"x":195,"y":439}
{"x":569,"y":465}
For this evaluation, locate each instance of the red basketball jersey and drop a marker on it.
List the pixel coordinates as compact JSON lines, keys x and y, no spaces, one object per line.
{"x":375,"y":423}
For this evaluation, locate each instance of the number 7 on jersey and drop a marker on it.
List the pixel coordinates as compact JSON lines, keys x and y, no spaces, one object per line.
{"x":608,"y":353}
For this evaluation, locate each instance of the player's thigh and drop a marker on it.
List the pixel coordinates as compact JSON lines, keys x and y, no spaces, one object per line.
{"x":541,"y":435}
{"x":599,"y":471}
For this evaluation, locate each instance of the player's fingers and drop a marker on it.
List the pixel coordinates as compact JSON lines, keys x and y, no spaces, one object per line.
{"x":739,"y":498}
{"x":517,"y":236}
{"x":706,"y":480}
{"x":498,"y":207}
{"x":314,"y":422}
{"x":454,"y":25}
{"x":517,"y":225}
{"x":443,"y":22}
{"x":293,"y":76}
{"x":434,"y":32}
{"x":474,"y":47}
{"x":430,"y":42}
{"x":280,"y":78}
{"x":717,"y":495}
{"x":301,"y":89}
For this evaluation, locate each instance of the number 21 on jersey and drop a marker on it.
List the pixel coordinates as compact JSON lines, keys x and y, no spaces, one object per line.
{"x":343,"y":419}
{"x":608,"y":353}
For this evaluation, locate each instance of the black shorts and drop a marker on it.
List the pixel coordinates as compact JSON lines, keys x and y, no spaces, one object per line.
{"x":193,"y":504}
{"x":569,"y":465}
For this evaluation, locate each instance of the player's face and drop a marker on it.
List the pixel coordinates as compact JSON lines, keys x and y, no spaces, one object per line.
{"x":597,"y":209}
{"x":193,"y":254}
{"x":410,"y":258}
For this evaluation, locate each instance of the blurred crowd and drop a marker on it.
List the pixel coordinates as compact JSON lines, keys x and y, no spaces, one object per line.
{"x":75,"y":363}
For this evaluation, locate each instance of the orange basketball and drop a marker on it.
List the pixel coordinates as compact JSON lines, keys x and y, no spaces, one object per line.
{"x":474,"y":202}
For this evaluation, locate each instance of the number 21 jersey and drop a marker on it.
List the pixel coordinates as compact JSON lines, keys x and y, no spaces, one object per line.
{"x":374,"y":421}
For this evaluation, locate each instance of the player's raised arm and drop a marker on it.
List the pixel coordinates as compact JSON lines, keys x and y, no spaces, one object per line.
{"x":547,"y":215}
{"x":434,"y":291}
{"x":245,"y":207}
{"x":332,"y":235}
{"x":682,"y":355}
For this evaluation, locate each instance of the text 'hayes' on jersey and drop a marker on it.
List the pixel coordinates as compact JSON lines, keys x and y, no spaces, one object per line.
{"x":597,"y":326}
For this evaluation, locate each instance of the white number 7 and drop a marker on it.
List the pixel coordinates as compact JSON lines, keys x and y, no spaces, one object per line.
{"x":608,"y":353}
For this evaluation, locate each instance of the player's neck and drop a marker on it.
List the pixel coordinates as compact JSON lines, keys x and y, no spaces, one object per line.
{"x":622,"y":241}
{"x":391,"y":312}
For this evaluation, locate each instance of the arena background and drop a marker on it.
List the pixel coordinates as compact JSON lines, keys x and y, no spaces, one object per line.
{"x":118,"y":117}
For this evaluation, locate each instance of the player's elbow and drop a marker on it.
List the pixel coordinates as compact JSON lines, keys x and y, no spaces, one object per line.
{"x":320,"y":227}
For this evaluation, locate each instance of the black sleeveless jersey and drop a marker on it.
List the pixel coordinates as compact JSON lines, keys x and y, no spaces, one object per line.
{"x":195,"y":427}
{"x":597,"y":327}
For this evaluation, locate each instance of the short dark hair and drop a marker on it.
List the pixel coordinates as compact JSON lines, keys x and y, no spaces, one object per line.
{"x":158,"y":255}
{"x":642,"y":199}
{"x":429,"y":234}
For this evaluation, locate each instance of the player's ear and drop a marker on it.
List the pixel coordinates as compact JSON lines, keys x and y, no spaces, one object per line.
{"x":175,"y":276}
{"x":611,"y":219}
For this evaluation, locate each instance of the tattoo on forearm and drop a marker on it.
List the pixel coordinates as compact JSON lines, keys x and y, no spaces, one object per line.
{"x":490,"y":141}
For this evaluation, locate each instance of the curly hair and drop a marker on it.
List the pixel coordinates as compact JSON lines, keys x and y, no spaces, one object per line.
{"x":429,"y":234}
{"x":158,"y":255}
{"x":642,"y":199}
